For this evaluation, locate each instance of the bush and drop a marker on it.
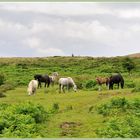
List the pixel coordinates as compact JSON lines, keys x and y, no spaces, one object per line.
{"x":137,"y":88}
{"x":55,"y":108}
{"x":35,"y":111}
{"x":90,"y":84}
{"x":2,"y":95}
{"x":127,"y":127}
{"x":79,"y":85}
{"x":130,"y":84}
{"x":106,"y":70}
{"x":79,"y":80}
{"x":123,"y":119}
{"x":2,"y":79}
{"x":115,"y":106}
{"x":6,"y":86}
{"x":21,"y":120}
{"x":119,"y":102}
{"x":17,"y":125}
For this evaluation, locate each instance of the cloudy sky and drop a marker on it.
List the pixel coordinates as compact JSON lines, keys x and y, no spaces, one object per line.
{"x":60,"y":29}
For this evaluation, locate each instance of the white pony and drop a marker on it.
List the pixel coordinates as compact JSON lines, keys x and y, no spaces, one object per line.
{"x":66,"y":82}
{"x":32,"y":87}
{"x":53,"y":77}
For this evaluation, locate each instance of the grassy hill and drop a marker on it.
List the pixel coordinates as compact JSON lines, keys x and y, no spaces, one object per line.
{"x":88,"y":113}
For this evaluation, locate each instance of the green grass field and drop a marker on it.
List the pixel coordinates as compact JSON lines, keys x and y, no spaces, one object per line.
{"x":73,"y":107}
{"x":77,"y":115}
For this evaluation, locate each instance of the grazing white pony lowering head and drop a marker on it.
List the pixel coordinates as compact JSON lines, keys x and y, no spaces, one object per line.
{"x":55,"y":74}
{"x":53,"y":77}
{"x":68,"y":82}
{"x":32,"y":87}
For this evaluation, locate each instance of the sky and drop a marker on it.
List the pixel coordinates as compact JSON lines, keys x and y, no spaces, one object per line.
{"x":63,"y":29}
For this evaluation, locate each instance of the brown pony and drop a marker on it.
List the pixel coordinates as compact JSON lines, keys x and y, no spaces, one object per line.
{"x":102,"y":80}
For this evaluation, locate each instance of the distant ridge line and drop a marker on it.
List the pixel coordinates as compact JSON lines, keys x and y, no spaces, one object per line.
{"x":137,"y":55}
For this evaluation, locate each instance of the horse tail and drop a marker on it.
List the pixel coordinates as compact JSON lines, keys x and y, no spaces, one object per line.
{"x":122,"y":81}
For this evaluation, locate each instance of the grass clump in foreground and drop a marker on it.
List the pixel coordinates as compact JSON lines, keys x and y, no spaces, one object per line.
{"x":22,"y":120}
{"x":121,"y":118}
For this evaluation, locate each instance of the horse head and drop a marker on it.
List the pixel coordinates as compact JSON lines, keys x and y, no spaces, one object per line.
{"x":75,"y":88}
{"x":37,"y":76}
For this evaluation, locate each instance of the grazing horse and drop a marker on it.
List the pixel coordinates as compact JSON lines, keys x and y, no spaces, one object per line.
{"x":116,"y":79}
{"x":55,"y":74}
{"x":32,"y":87}
{"x":53,"y":77}
{"x":68,"y":82}
{"x":42,"y":78}
{"x":102,"y":80}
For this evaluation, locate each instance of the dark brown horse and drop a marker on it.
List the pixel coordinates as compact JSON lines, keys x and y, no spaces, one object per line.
{"x":116,"y":79}
{"x":42,"y":78}
{"x":102,"y":80}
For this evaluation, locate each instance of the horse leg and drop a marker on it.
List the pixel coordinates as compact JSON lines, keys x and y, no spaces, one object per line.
{"x":118,"y":85}
{"x":122,"y":84}
{"x":67,"y":87}
{"x":48,"y":83}
{"x":62,"y":88}
{"x":59,"y":88}
{"x":107,"y":85}
{"x":39,"y":84}
{"x":110,"y":86}
{"x":99,"y":88}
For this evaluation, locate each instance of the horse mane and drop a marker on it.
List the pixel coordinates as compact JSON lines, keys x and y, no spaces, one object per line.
{"x":71,"y":80}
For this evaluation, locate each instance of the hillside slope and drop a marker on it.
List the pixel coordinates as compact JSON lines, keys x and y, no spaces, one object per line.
{"x":136,"y":55}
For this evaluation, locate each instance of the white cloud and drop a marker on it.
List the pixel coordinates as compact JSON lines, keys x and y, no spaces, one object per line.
{"x":50,"y":52}
{"x":33,"y":42}
{"x":41,"y":47}
{"x":63,"y":28}
{"x":128,"y":13}
{"x":135,"y":28}
{"x":58,"y":8}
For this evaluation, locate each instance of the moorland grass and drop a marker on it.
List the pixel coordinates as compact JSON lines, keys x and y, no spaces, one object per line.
{"x":77,"y":115}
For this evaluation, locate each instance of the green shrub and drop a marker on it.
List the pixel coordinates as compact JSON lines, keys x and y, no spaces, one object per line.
{"x":104,"y":109}
{"x":90,"y":84}
{"x":121,"y":123}
{"x":119,"y":102}
{"x":127,"y":127}
{"x":2,"y":95}
{"x":21,"y":120}
{"x":6,"y":86}
{"x":35,"y":111}
{"x":17,"y":125}
{"x":130,"y":84}
{"x":79,"y":80}
{"x":79,"y":85}
{"x":116,"y":105}
{"x":55,"y":108}
{"x":106,"y":70}
{"x":2,"y":79}
{"x":137,"y":88}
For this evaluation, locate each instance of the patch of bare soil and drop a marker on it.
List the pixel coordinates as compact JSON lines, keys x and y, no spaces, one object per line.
{"x":69,"y":128}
